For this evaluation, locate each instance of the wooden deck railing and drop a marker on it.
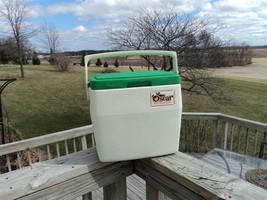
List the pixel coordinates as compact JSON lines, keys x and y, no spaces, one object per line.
{"x":200,"y":133}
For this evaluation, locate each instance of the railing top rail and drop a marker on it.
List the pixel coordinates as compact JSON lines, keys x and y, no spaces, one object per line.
{"x":200,"y":116}
{"x":226,"y":118}
{"x":244,"y":122}
{"x":45,"y":139}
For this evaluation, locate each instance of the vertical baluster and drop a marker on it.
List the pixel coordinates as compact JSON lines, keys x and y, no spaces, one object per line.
{"x":232,"y":137}
{"x":191,"y":136}
{"x":93,"y":139}
{"x":255,"y":142}
{"x":48,"y":152}
{"x":74,"y":145}
{"x":66,"y":147}
{"x":214,"y":133}
{"x":247,"y":141}
{"x":183,"y":133}
{"x":206,"y":141}
{"x":84,"y":142}
{"x":58,"y":152}
{"x":8,"y":163}
{"x":29,"y":156}
{"x":224,"y":135}
{"x":19,"y":160}
{"x":39,"y":154}
{"x":238,"y":138}
{"x":198,"y":135}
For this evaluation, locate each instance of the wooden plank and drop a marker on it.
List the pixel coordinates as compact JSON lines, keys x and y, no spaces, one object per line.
{"x":49,"y":173}
{"x":44,"y":140}
{"x":198,"y":179}
{"x":116,"y":190}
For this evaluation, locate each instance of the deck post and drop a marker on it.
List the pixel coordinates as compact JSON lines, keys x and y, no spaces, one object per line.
{"x":116,"y":190}
{"x":152,"y":193}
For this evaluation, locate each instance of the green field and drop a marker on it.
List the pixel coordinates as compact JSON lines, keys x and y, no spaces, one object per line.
{"x":46,"y":100}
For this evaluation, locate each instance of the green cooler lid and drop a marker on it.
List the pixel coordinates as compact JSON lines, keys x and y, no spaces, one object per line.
{"x":132,"y":79}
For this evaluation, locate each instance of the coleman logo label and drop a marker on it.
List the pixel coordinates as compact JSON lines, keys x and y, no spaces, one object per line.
{"x":162,"y":98}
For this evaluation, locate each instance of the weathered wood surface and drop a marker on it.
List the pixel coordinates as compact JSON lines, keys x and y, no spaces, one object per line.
{"x":183,"y":177}
{"x":63,"y":178}
{"x":46,"y":139}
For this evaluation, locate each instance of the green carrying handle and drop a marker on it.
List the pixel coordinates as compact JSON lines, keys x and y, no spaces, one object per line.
{"x":171,"y":54}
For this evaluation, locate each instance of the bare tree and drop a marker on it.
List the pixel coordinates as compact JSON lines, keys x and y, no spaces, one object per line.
{"x":192,"y":38}
{"x":50,"y":37}
{"x":16,"y":14}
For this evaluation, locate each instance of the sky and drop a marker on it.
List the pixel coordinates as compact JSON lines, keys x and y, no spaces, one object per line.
{"x":83,"y":24}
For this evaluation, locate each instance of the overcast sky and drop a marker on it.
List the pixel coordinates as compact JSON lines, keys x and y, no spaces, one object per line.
{"x":83,"y":24}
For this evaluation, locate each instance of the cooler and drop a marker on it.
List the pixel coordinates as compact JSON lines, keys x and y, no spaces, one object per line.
{"x":135,"y":114}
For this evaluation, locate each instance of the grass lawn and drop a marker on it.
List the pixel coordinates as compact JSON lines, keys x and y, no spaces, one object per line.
{"x":46,"y":101}
{"x":249,"y":100}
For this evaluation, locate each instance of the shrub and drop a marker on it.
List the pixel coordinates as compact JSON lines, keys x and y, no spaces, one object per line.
{"x":116,"y":63}
{"x":105,"y":64}
{"x":62,"y":62}
{"x":35,"y":59}
{"x":98,"y":62}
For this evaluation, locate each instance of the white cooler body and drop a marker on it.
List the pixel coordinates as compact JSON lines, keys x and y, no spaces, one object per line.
{"x":136,"y":122}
